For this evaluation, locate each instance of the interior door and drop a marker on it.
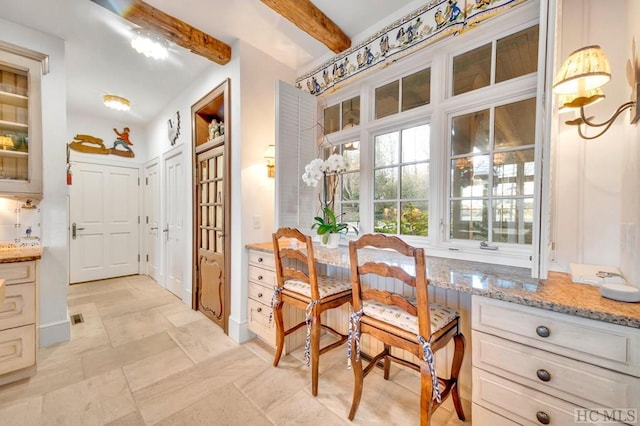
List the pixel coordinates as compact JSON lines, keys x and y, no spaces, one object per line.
{"x":152,"y":224}
{"x":174,"y":208}
{"x":103,"y":204}
{"x":212,"y":297}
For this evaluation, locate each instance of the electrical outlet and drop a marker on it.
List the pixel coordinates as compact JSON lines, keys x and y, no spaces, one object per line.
{"x":256,"y":222}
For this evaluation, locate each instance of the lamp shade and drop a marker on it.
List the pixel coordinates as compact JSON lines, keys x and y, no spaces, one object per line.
{"x":270,"y":152}
{"x":585,"y":69}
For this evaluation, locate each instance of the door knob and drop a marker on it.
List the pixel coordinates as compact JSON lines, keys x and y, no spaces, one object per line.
{"x":74,"y":228}
{"x":153,"y":228}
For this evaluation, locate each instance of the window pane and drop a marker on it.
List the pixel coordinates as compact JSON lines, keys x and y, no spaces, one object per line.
{"x":415,"y":181}
{"x":415,"y":144}
{"x":472,"y":70}
{"x":332,"y":119}
{"x":513,"y":221}
{"x":470,"y":133}
{"x":387,"y":99}
{"x":517,"y":54}
{"x":385,"y":184}
{"x":416,"y":89}
{"x":351,"y":214}
{"x":470,"y":176}
{"x":351,"y":154}
{"x":385,"y":218}
{"x":414,"y":219}
{"x":351,"y":186}
{"x":513,"y":173}
{"x":351,"y":112}
{"x":386,"y":148}
{"x":469,"y":220}
{"x":515,"y":124}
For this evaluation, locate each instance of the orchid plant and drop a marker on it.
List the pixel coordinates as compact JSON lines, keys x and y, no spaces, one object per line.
{"x":326,"y":172}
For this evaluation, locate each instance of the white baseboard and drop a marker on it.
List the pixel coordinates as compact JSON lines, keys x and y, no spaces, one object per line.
{"x":239,"y":331}
{"x":55,"y":332}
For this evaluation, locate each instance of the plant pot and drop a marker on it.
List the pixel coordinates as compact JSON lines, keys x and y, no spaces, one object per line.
{"x":332,"y":242}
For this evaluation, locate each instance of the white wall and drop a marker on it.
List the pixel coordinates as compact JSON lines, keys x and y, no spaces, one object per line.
{"x":592,"y":176}
{"x":54,"y":318}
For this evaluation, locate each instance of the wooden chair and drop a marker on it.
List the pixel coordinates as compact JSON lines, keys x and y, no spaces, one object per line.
{"x":399,"y":321}
{"x":300,"y":286}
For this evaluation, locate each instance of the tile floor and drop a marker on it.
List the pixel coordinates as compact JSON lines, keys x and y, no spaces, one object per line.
{"x":141,"y":357}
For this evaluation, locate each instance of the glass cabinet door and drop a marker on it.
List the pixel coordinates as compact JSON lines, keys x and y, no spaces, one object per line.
{"x":20,"y":124}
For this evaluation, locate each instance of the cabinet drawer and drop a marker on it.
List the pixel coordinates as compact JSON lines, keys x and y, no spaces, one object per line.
{"x":483,"y":417}
{"x":524,"y":405}
{"x":258,"y":318}
{"x":599,"y":343}
{"x":580,"y":383}
{"x":263,"y":276}
{"x":261,"y":293}
{"x":17,"y":348}
{"x":262,"y":259}
{"x":19,"y":307}
{"x":18,"y":272}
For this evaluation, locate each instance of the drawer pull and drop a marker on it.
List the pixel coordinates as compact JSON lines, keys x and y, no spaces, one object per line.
{"x":260,"y":295}
{"x":259,"y":309}
{"x":543,"y":375}
{"x":259,"y":277}
{"x":259,"y":260}
{"x":543,"y":417}
{"x":543,"y":331}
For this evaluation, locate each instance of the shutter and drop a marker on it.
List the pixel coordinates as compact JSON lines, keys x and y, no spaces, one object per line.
{"x":295,"y":147}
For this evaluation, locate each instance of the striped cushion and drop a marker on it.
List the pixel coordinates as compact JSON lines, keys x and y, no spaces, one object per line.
{"x":326,"y":286}
{"x":440,"y":315}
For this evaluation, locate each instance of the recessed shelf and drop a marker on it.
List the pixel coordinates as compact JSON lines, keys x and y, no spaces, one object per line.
{"x":12,"y":99}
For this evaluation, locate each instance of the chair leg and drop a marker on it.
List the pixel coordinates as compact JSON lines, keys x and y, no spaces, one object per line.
{"x":356,"y":365}
{"x":387,"y":362}
{"x":315,"y":350}
{"x":277,"y":317}
{"x":459,"y":344}
{"x":426,"y":395}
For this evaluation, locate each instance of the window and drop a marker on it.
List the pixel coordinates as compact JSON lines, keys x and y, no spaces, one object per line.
{"x":492,"y":170}
{"x":407,"y":93}
{"x":347,"y":204}
{"x":401,"y":181}
{"x":449,"y":167}
{"x":342,"y":115}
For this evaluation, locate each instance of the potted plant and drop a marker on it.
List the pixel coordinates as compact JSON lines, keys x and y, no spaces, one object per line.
{"x":329,"y":228}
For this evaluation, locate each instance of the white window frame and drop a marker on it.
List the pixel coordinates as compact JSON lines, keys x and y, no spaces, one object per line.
{"x":438,"y":114}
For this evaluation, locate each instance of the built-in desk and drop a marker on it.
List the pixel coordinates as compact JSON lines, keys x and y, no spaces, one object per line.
{"x":537,"y":350}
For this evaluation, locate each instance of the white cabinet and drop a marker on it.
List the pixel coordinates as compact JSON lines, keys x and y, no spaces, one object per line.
{"x":18,"y":319}
{"x":534,"y":366}
{"x":262,"y":281}
{"x":20,"y":124}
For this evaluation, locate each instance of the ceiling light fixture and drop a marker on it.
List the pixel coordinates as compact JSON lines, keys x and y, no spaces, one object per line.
{"x":116,"y":102}
{"x":149,"y":44}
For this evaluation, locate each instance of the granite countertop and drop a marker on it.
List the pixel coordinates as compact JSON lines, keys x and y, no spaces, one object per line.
{"x":20,"y":254}
{"x":556,"y":293}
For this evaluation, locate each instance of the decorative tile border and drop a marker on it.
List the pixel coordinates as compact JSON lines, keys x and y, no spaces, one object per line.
{"x":436,"y":20}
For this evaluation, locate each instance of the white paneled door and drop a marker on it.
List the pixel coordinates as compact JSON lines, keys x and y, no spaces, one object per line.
{"x":103,"y":218}
{"x":174,"y":209}
{"x":152,"y":223}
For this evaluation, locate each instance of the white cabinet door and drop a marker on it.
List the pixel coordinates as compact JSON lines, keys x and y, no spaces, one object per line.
{"x":103,"y":216}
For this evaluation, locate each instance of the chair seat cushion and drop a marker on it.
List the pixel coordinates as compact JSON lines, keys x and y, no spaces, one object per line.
{"x":440,"y":315}
{"x":326,"y":286}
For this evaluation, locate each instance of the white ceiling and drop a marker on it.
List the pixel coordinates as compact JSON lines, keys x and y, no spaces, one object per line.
{"x":99,"y":59}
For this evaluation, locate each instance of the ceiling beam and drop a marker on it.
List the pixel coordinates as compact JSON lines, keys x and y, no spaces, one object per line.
{"x":306,"y":16}
{"x":173,"y":29}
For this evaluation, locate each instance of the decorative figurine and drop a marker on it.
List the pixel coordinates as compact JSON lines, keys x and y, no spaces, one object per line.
{"x":214,"y":129}
{"x":122,"y":140}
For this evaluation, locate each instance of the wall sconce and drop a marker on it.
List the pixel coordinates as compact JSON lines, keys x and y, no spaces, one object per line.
{"x":270,"y":156}
{"x":579,"y":80}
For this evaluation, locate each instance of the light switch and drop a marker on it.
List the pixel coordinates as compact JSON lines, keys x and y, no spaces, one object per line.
{"x":256,"y":222}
